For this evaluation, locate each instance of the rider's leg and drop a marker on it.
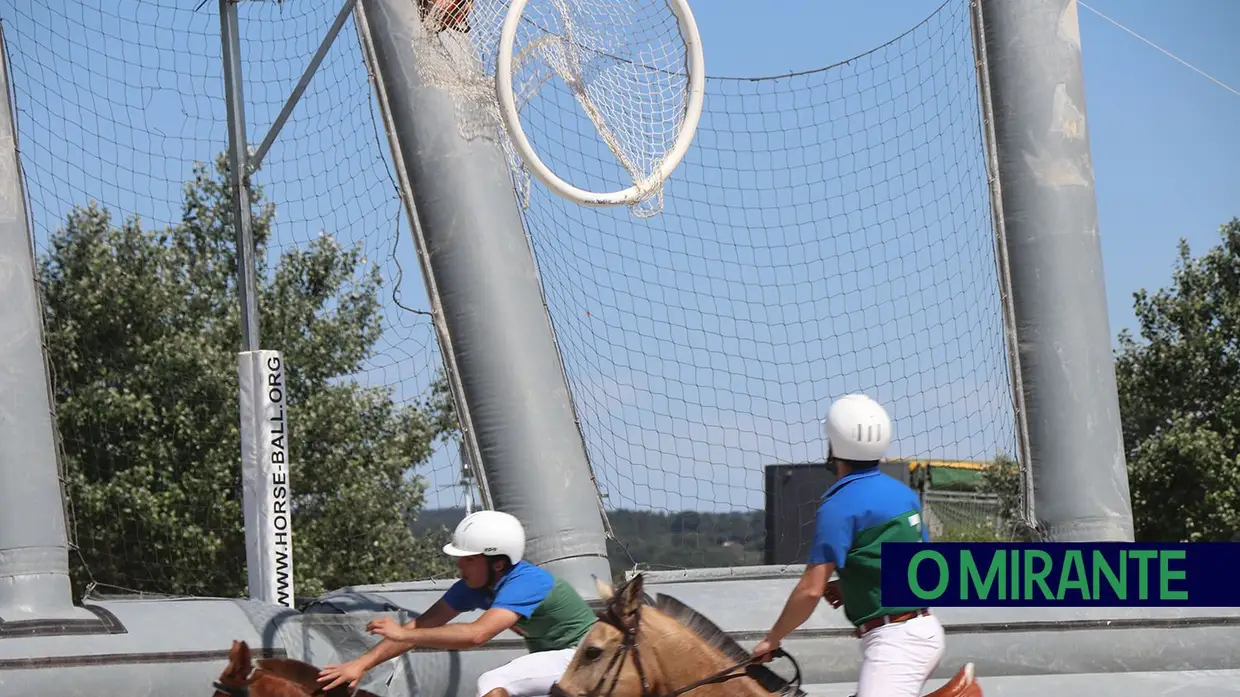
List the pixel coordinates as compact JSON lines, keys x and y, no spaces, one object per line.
{"x":897,"y":658}
{"x":531,"y":675}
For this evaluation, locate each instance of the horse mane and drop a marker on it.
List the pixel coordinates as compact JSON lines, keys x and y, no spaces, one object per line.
{"x":710,"y":633}
{"x":705,"y":629}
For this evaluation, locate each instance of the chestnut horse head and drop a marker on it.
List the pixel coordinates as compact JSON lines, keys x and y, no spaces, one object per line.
{"x":273,"y":677}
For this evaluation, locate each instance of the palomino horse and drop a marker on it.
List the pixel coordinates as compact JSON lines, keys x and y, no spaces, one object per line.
{"x":672,"y":650}
{"x":274,"y":677}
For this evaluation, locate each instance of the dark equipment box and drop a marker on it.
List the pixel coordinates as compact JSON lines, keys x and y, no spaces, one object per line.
{"x":793,"y":492}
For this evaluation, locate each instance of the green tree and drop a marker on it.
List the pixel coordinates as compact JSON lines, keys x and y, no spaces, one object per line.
{"x":1179,"y":391}
{"x":142,"y":330}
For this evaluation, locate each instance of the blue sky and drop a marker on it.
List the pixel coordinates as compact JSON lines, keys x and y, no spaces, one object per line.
{"x":1164,"y":151}
{"x":871,"y":277}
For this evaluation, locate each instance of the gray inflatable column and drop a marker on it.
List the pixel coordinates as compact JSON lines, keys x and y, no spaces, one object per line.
{"x":35,"y":593}
{"x":1047,"y":218}
{"x":518,"y":417}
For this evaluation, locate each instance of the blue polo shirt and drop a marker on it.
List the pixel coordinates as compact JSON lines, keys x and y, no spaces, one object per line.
{"x":858,"y":513}
{"x":553,"y":615}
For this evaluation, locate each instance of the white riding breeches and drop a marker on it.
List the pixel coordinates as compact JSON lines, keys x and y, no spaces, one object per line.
{"x":898,"y":658}
{"x":531,"y":675}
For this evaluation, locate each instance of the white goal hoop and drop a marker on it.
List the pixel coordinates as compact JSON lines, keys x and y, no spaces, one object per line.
{"x":644,"y":184}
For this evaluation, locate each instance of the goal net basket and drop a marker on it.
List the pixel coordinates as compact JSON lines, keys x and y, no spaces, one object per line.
{"x":635,"y":69}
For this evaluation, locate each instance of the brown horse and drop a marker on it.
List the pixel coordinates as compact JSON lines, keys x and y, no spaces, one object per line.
{"x":668,"y":650}
{"x":274,"y":677}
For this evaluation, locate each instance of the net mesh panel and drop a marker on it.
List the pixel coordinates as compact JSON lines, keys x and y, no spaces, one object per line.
{"x":116,"y":101}
{"x":829,"y":232}
{"x":616,"y":70}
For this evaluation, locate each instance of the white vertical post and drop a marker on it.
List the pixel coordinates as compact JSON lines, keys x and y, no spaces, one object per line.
{"x":265,"y":476}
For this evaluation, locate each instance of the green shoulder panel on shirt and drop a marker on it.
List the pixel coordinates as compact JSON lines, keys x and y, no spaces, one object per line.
{"x":561,"y":620}
{"x":861,"y":579}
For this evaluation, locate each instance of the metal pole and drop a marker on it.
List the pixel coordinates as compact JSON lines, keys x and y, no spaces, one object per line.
{"x":1033,"y":96}
{"x":34,"y":542}
{"x":239,"y":167}
{"x":265,"y":455}
{"x":287,"y":110}
{"x":493,"y":323}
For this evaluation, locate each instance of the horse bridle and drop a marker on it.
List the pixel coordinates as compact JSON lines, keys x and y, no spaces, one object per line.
{"x":232,"y":690}
{"x":629,"y":645}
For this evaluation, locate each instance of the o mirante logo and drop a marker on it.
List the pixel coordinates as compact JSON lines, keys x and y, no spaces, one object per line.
{"x":1096,"y":574}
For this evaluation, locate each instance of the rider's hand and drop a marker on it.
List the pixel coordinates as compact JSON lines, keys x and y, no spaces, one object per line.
{"x":387,"y":628}
{"x":762,"y":652}
{"x":348,"y":673}
{"x":833,"y":595}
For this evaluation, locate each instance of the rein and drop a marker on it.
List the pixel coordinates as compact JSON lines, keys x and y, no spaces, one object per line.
{"x":232,"y":690}
{"x":629,"y":644}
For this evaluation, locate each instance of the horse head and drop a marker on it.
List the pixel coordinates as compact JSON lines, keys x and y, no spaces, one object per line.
{"x":235,"y":680}
{"x":662,"y":650}
{"x":273,"y":677}
{"x":669,"y":650}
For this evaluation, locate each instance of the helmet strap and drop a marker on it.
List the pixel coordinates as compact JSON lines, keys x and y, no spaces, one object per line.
{"x":831,"y":463}
{"x":493,"y":576}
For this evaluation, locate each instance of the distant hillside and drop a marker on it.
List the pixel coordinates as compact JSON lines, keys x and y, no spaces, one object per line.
{"x":656,"y":540}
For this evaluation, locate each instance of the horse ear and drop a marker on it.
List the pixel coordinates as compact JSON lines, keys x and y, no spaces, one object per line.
{"x":631,"y":596}
{"x":239,"y":656}
{"x":604,"y":589}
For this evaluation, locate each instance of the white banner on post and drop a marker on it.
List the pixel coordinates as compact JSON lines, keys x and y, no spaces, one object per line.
{"x":265,"y":476}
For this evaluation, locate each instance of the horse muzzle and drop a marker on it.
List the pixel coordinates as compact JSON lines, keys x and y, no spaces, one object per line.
{"x":557,"y":691}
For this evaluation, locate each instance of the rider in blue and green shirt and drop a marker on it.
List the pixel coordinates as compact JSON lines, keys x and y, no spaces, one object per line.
{"x":514,"y":595}
{"x":901,"y":646}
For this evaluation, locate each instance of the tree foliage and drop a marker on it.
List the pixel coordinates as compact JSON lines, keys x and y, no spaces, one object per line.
{"x":1001,"y":477}
{"x":143,"y":329}
{"x":1179,"y":390}
{"x":685,"y":540}
{"x":659,"y":540}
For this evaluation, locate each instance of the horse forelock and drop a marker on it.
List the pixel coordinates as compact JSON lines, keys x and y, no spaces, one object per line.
{"x":712,"y":635}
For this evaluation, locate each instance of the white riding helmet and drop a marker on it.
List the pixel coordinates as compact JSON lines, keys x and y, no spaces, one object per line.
{"x":857,"y":428}
{"x":490,"y":533}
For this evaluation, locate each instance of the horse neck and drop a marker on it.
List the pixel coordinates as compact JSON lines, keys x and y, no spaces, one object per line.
{"x":292,"y":670}
{"x":682,"y":657}
{"x":264,"y":684}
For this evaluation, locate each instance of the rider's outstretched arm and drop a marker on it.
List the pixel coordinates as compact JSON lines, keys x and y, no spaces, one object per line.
{"x":465,"y":635}
{"x":829,"y":550}
{"x":802,"y":600}
{"x":437,"y":615}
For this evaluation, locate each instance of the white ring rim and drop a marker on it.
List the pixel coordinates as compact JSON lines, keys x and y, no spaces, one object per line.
{"x":512,"y":122}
